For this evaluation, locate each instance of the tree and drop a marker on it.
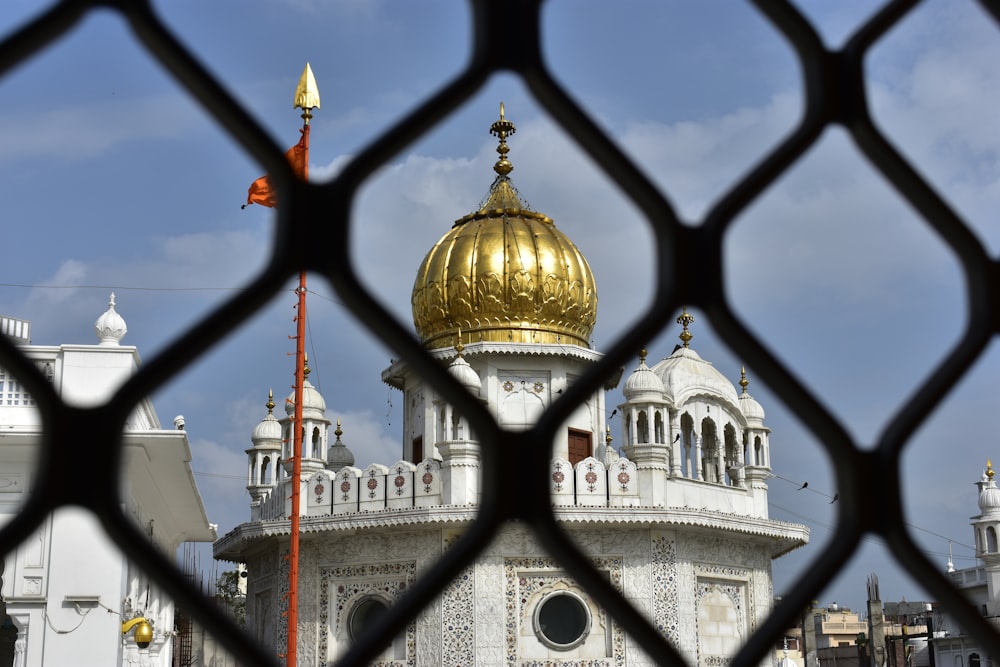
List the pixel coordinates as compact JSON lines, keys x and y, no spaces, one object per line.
{"x":229,"y":596}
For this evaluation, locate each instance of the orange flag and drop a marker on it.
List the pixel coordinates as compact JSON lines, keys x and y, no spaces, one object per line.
{"x":262,"y":193}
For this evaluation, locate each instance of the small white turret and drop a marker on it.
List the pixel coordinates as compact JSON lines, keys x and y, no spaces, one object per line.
{"x":110,"y":326}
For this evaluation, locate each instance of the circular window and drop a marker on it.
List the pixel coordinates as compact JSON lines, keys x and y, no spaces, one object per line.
{"x":562,"y":620}
{"x":364,"y":615}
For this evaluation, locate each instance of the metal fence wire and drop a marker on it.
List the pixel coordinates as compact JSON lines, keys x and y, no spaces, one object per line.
{"x":507,"y":38}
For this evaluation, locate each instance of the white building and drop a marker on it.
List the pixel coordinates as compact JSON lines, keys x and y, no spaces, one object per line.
{"x":679,"y":523}
{"x":953,"y":647}
{"x":68,"y":590}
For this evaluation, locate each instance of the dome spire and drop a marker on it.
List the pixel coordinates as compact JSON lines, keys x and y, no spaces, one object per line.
{"x":744,"y":382}
{"x":270,"y":402}
{"x":502,"y":129}
{"x":685,"y":319}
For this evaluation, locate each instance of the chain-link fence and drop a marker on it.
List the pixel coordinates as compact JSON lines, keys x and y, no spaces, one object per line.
{"x":507,"y":38}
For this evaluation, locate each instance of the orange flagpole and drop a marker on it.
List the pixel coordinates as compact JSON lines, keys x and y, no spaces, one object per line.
{"x":306,"y":98}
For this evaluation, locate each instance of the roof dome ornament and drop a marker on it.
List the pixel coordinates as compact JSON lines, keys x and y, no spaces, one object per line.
{"x":502,"y":129}
{"x":110,"y":326}
{"x":685,"y":319}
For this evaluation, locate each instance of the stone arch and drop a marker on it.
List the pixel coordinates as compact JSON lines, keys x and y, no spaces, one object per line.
{"x":991,"y":540}
{"x":688,"y":450}
{"x":720,"y":626}
{"x":658,"y":433}
{"x":732,"y":458}
{"x":642,"y":427}
{"x":711,"y":464}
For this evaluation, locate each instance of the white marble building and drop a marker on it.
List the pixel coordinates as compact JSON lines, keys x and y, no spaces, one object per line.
{"x":953,"y":647}
{"x":678,"y":523}
{"x":68,"y":589}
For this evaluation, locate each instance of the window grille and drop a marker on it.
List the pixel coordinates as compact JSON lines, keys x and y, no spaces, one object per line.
{"x":12,"y":393}
{"x":507,"y":38}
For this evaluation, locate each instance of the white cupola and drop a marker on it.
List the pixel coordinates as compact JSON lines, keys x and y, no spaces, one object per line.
{"x":110,"y":326}
{"x":315,"y":428}
{"x":464,"y":373}
{"x":263,"y":457}
{"x":986,"y":527}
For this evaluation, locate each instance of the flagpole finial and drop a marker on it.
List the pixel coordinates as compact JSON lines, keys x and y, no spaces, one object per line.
{"x":306,"y":94}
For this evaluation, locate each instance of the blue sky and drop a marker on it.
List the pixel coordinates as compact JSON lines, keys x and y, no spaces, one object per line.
{"x":113,"y":179}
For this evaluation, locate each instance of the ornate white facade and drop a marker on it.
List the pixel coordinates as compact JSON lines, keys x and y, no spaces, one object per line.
{"x":678,"y":522}
{"x":68,"y":589}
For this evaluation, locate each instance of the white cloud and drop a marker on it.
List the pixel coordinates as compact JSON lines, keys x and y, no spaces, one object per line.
{"x":90,"y":130}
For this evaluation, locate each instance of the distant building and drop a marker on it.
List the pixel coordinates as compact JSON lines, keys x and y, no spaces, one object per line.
{"x":68,"y":590}
{"x":835,"y":636}
{"x":677,"y":521}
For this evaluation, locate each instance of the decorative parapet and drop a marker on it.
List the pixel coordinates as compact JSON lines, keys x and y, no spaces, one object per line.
{"x":590,"y":483}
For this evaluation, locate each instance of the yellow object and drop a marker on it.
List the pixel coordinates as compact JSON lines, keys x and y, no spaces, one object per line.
{"x":143,"y":630}
{"x":504,"y":274}
{"x":307,"y":92}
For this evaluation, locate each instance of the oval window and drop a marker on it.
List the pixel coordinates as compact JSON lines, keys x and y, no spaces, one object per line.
{"x":562,"y":621}
{"x":364,"y":615}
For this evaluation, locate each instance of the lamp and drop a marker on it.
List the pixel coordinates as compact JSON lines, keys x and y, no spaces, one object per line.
{"x":143,"y":631}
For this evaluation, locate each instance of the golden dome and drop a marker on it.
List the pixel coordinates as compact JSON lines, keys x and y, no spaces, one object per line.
{"x":504,"y":274}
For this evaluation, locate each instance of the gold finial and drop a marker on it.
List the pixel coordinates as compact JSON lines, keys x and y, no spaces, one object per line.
{"x":458,"y":346}
{"x":642,"y":356}
{"x":338,"y":432}
{"x":607,"y":436}
{"x":685,"y":319}
{"x":989,"y":469}
{"x":306,"y":94}
{"x":743,"y":378}
{"x":270,"y":401}
{"x":502,"y":129}
{"x":306,"y":370}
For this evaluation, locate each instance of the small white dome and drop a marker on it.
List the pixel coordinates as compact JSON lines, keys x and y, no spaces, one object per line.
{"x":989,"y":494}
{"x":313,"y":403}
{"x":684,"y":373}
{"x":268,"y":431}
{"x":752,"y":410}
{"x":643,"y":383}
{"x":466,"y":375}
{"x":110,"y":327}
